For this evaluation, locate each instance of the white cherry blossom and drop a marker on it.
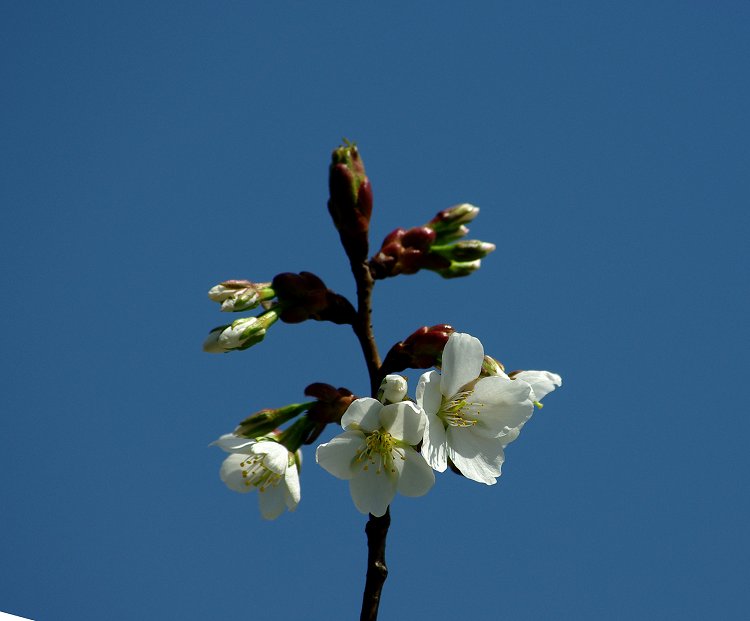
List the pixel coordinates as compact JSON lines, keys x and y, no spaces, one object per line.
{"x":264,"y":465}
{"x":470,"y":418}
{"x":376,"y":455}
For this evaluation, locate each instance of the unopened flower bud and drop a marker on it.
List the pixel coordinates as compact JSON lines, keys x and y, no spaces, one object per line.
{"x":392,"y":389}
{"x":465,"y":250}
{"x":265,"y":421}
{"x":420,"y":350}
{"x":240,"y":334}
{"x":458,"y":269}
{"x":491,"y":367}
{"x":331,"y":402}
{"x":445,"y":237}
{"x":329,"y":408}
{"x":240,"y":295}
{"x":453,"y":217}
{"x":350,"y":203}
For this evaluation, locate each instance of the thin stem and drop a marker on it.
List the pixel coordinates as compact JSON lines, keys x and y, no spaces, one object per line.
{"x":363,"y":325}
{"x":377,"y":527}
{"x":377,"y":572}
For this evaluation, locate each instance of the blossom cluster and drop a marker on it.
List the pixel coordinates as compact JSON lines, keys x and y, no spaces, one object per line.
{"x":464,"y":415}
{"x":459,"y":417}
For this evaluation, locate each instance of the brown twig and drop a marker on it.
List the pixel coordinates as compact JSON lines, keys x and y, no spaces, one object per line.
{"x":377,"y":572}
{"x":363,"y":324}
{"x":377,"y":527}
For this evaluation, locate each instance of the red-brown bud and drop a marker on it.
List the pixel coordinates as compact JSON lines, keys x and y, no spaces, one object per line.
{"x":350,"y":202}
{"x":421,"y":349}
{"x":331,"y":402}
{"x":304,"y":296}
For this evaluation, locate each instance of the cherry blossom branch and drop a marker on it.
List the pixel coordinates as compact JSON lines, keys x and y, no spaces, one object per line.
{"x":377,"y":527}
{"x":377,"y":572}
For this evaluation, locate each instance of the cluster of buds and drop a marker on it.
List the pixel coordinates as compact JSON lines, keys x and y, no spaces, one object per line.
{"x":350,"y":202}
{"x":291,"y":298}
{"x":421,"y":350}
{"x":437,"y":246}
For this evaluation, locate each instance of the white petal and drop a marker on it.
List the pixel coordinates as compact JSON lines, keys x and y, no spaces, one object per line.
{"x":404,"y":421}
{"x":231,"y":474}
{"x":510,"y":436}
{"x":338,"y":455}
{"x":271,"y":501}
{"x":416,"y":478}
{"x":542,"y":382}
{"x":291,"y":487}
{"x":373,"y":490}
{"x":477,"y":458}
{"x":462,"y":362}
{"x":275,"y":455}
{"x":362,"y":414}
{"x":499,"y":404}
{"x":233,"y":444}
{"x":429,"y":396}
{"x":435,"y":443}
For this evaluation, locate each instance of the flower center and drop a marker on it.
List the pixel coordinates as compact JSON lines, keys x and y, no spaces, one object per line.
{"x":379,"y":449}
{"x":258,"y":475}
{"x":457,"y":411}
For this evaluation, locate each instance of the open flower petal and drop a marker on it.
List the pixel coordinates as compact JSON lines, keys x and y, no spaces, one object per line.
{"x":500,"y":404}
{"x":275,"y":456}
{"x":362,"y":414}
{"x":292,"y":493}
{"x":435,"y":443}
{"x":428,"y":393}
{"x":461,"y":363}
{"x":234,"y":444}
{"x":542,"y":382}
{"x":272,"y":502}
{"x":477,"y":458}
{"x":373,"y":489}
{"x":510,"y":436}
{"x":415,"y":478}
{"x":339,"y":455}
{"x":404,"y":421}
{"x":231,"y":474}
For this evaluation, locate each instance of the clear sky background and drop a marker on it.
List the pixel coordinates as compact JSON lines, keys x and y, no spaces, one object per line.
{"x":151,"y":150}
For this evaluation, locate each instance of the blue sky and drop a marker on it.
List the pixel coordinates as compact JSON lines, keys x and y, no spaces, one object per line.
{"x":153,"y":150}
